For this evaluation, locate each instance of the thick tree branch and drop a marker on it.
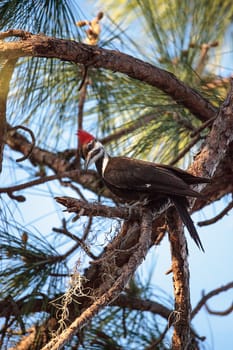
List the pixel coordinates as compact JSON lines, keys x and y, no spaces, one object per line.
{"x":134,"y":303}
{"x":74,"y":205}
{"x":110,"y":294}
{"x":216,"y":156}
{"x":181,"y":337}
{"x":209,"y":160}
{"x":60,"y":163}
{"x":219,"y":139}
{"x":93,"y":56}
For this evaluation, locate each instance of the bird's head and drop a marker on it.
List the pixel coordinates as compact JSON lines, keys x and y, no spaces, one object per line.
{"x":90,"y":148}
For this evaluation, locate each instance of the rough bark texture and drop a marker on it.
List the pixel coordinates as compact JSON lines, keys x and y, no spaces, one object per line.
{"x":182,"y":311}
{"x":115,"y":285}
{"x":216,"y":156}
{"x":44,"y":46}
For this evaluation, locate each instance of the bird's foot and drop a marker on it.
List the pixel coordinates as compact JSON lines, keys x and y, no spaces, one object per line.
{"x":138,"y":204}
{"x":157,"y":212}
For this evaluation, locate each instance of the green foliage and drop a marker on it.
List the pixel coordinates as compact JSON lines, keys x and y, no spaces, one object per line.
{"x":173,"y":33}
{"x":29,"y":266}
{"x":45,"y":92}
{"x":55,"y":17}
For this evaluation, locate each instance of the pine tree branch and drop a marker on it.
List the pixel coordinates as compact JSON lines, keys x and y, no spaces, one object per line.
{"x":134,"y":303}
{"x":219,"y":313}
{"x":182,"y":333}
{"x":74,"y":205}
{"x":202,"y":166}
{"x":218,"y":141}
{"x":217,"y":217}
{"x":185,"y":150}
{"x":58,"y":162}
{"x":33,"y":141}
{"x":209,"y":295}
{"x":93,"y":56}
{"x":216,"y":156}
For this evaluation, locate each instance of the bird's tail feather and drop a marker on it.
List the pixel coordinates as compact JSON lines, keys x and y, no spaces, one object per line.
{"x":181,"y":207}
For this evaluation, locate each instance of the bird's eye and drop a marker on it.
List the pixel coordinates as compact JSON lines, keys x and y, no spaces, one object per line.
{"x":89,"y":146}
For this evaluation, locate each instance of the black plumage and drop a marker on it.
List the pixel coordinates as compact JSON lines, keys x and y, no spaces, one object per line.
{"x":135,"y":180}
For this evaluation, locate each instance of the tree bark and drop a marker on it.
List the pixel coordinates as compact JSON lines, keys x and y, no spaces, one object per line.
{"x":181,"y":316}
{"x":92,"y":56}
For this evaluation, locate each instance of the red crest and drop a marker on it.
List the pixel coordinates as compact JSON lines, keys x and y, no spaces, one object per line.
{"x":84,"y":137}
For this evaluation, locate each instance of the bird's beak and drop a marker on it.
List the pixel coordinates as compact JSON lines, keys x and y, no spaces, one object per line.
{"x":87,"y":161}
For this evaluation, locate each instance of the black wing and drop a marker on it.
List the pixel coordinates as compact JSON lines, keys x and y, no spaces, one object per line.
{"x":132,"y":174}
{"x":184,"y":175}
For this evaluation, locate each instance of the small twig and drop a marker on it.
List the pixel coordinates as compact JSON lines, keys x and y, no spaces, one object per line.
{"x":173,"y":318}
{"x":203,"y":126}
{"x":93,"y":35}
{"x":209,"y":295}
{"x":217,"y":217}
{"x":32,"y":143}
{"x":87,"y":229}
{"x":35,"y":182}
{"x":204,"y":55}
{"x":17,"y":313}
{"x":19,"y":198}
{"x":83,"y":84}
{"x":70,"y":251}
{"x":73,"y":187}
{"x":65,"y":231}
{"x":80,"y":241}
{"x":195,"y":138}
{"x":185,"y":149}
{"x":15,"y":32}
{"x":220,"y":313}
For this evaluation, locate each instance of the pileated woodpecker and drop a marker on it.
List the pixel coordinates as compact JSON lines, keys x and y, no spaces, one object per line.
{"x":135,"y":180}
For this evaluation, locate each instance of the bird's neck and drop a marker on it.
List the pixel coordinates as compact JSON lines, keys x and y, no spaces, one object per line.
{"x":101,"y":163}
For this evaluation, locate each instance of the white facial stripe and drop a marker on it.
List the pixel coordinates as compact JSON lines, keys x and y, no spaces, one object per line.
{"x":96,"y":153}
{"x":105,"y":163}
